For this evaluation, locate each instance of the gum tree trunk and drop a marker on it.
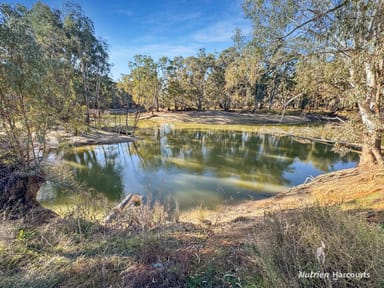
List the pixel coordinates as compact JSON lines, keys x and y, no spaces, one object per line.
{"x":369,"y":110}
{"x":371,"y":153}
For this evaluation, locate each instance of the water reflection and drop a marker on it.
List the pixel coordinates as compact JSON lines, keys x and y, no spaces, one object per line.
{"x":99,"y":168}
{"x":202,"y":166}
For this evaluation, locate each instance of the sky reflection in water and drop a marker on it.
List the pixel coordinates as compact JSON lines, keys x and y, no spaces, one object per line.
{"x":203,"y":167}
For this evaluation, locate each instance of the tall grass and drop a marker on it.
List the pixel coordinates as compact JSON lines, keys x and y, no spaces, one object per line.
{"x":288,"y":242}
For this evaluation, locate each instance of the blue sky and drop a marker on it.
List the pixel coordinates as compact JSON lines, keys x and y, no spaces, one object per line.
{"x":160,"y":27}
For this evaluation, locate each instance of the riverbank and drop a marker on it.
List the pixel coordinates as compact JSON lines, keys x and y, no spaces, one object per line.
{"x":306,"y":128}
{"x":264,"y":243}
{"x":315,"y":127}
{"x":358,"y":191}
{"x":93,"y":136}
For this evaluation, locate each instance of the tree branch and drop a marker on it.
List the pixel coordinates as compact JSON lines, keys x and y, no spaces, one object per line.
{"x":315,"y":18}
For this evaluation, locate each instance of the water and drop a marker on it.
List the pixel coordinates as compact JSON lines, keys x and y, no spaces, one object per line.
{"x":202,"y":167}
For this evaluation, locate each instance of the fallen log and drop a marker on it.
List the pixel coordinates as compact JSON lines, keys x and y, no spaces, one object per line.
{"x":305,"y":140}
{"x":118,"y":130}
{"x":131,"y":200}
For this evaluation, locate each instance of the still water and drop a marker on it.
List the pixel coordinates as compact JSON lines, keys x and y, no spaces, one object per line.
{"x":202,"y":167}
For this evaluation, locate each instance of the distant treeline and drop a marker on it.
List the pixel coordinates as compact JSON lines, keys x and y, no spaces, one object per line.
{"x":239,"y":78}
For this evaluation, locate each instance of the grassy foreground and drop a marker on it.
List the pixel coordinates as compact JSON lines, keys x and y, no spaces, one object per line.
{"x":146,"y":248}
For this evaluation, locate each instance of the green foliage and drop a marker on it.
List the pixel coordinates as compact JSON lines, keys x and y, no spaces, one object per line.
{"x":143,"y":82}
{"x":242,"y":77}
{"x":172,"y":86}
{"x":24,"y":234}
{"x":50,"y":60}
{"x":217,"y":92}
{"x":181,"y":83}
{"x":204,"y":279}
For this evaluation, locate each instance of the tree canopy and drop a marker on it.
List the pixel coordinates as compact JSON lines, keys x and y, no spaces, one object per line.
{"x":52,"y":70}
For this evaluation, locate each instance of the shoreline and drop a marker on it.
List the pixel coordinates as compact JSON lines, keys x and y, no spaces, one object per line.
{"x":224,"y":117}
{"x":94,"y":136}
{"x":290,"y":198}
{"x":263,"y":122}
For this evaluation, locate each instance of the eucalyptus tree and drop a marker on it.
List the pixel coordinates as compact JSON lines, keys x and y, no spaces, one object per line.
{"x":100,"y":83}
{"x":260,"y":73}
{"x":49,"y":33}
{"x":162,"y":66}
{"x":322,"y":83}
{"x":350,"y":31}
{"x":143,"y":82}
{"x":245,"y":77}
{"x":27,"y":107}
{"x":174,"y":89}
{"x":279,"y":80}
{"x":88,"y":55}
{"x":236,"y":83}
{"x":217,"y":92}
{"x":22,"y":76}
{"x":196,"y":71}
{"x":37,"y":92}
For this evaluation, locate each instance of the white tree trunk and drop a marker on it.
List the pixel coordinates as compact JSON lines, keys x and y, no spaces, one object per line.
{"x":371,"y":153}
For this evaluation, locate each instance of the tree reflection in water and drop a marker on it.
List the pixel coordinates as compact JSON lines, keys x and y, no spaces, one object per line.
{"x":203,"y":166}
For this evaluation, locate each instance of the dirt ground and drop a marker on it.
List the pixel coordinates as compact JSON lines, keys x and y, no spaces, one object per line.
{"x":223,"y":117}
{"x":91,"y":137}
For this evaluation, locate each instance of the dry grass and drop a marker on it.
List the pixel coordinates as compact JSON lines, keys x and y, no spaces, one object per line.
{"x":265,"y":251}
{"x":288,"y":243}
